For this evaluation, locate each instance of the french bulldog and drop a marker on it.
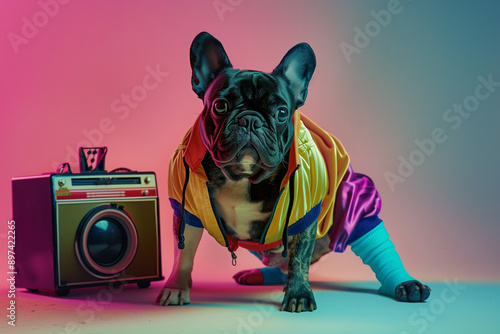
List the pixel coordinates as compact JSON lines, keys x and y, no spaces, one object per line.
{"x":251,"y":172}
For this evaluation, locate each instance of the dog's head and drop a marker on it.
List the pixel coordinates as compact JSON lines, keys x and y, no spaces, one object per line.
{"x":246,"y":123}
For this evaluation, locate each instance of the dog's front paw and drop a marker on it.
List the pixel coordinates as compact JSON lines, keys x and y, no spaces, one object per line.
{"x":412,"y":291}
{"x":169,"y":296}
{"x":299,"y":299}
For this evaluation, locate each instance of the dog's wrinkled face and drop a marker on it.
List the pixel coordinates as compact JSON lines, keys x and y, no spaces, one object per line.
{"x":246,"y":123}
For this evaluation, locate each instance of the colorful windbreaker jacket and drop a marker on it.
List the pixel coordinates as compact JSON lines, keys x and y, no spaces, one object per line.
{"x":317,"y":164}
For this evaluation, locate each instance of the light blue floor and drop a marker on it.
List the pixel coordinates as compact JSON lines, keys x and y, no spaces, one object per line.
{"x":228,"y":308}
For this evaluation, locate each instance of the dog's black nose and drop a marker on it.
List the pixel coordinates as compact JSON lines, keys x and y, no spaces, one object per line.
{"x":250,"y":122}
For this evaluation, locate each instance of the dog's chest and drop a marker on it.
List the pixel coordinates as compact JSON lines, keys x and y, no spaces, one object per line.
{"x":243,"y":218}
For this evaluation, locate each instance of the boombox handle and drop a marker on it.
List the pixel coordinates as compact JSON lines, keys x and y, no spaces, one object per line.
{"x":92,"y":159}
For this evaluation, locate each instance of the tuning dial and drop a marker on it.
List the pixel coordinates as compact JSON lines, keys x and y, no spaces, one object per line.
{"x":61,"y":183}
{"x":147,"y":180}
{"x":145,"y":192}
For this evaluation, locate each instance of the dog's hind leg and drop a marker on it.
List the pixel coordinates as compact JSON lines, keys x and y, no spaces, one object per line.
{"x":261,"y":276}
{"x":274,"y":275}
{"x":377,"y":251}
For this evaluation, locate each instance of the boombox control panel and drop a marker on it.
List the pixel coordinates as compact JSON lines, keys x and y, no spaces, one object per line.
{"x":80,"y":187}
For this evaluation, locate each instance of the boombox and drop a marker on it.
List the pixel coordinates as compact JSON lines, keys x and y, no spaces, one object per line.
{"x":80,"y":230}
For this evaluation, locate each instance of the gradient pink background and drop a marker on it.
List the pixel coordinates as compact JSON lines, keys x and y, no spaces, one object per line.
{"x":443,"y":219}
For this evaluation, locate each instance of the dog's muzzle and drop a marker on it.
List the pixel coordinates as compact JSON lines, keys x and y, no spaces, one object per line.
{"x":251,"y":148}
{"x":250,"y":121}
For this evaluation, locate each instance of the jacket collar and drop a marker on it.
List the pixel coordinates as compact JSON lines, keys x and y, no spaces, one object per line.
{"x":195,"y":149}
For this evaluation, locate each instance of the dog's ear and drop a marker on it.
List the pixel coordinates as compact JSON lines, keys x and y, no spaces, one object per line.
{"x":297,"y":68}
{"x":208,"y":59}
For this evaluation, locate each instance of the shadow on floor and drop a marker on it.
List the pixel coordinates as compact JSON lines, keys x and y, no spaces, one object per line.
{"x":206,"y":294}
{"x":339,"y":286}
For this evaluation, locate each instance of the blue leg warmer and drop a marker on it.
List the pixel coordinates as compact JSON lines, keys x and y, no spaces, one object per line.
{"x":272,"y":275}
{"x":377,"y":251}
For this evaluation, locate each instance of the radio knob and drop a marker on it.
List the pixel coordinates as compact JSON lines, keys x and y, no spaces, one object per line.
{"x":145,"y":192}
{"x":61,"y":183}
{"x":147,"y":179}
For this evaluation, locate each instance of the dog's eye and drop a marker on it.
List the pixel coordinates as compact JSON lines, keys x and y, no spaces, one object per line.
{"x":282,"y":115}
{"x":220,"y":106}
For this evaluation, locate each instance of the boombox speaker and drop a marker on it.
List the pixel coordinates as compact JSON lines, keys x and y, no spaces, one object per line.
{"x":80,"y":230}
